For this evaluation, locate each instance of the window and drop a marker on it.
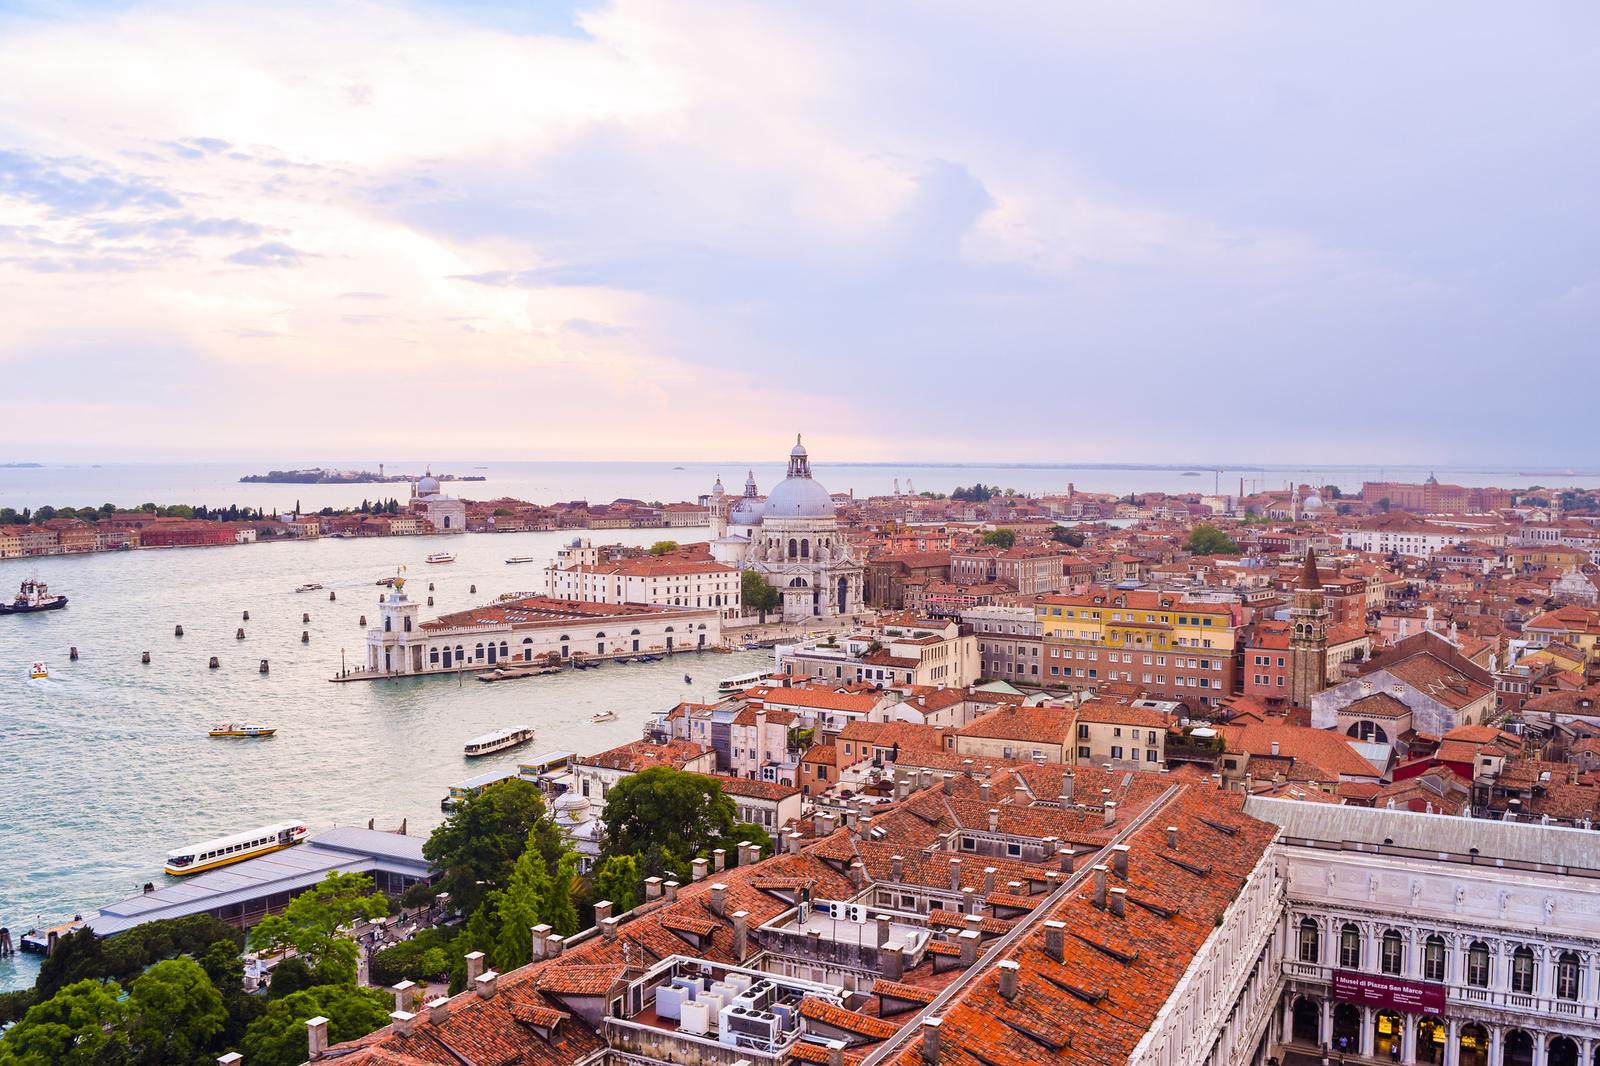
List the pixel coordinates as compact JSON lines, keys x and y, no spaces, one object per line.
{"x":1083,"y":753}
{"x":1393,"y":953}
{"x":1568,"y":979}
{"x":1116,"y":753}
{"x":1433,"y":959}
{"x":1478,"y":964}
{"x":1150,"y":755}
{"x":1350,"y":947}
{"x":1310,"y":941}
{"x":1522,"y":971}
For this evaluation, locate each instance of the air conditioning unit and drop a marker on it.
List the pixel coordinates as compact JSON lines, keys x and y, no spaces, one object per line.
{"x":742,"y":1022}
{"x":857,"y":912}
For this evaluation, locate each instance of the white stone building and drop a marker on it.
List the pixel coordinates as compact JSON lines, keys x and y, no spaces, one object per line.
{"x":583,"y":572}
{"x":447,"y":514}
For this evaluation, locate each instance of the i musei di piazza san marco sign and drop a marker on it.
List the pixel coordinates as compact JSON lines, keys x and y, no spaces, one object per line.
{"x":1373,"y":990}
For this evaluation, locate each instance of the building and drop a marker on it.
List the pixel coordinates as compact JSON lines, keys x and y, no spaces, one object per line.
{"x":1427,"y":686}
{"x":1403,"y":534}
{"x":594,"y":776}
{"x":1120,"y":736}
{"x":444,"y":514}
{"x":527,"y":630}
{"x":922,"y":652}
{"x":586,"y":573}
{"x":1308,"y":636}
{"x":1029,"y":571}
{"x":1010,"y":642}
{"x":792,"y":539}
{"x":1176,"y":649}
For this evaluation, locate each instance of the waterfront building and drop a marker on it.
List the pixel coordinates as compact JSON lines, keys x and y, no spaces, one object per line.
{"x":792,"y":539}
{"x":446,"y":514}
{"x":527,"y":630}
{"x":678,"y":579}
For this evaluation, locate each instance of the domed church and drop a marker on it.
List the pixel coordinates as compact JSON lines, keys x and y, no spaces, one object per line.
{"x":792,"y":540}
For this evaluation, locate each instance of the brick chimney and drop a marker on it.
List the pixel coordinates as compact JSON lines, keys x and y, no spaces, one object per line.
{"x":1119,"y":897}
{"x":955,"y":875}
{"x":608,"y":928}
{"x":948,"y":783}
{"x":474,"y":965}
{"x":983,"y":789}
{"x":897,"y":867}
{"x":883,"y":924}
{"x":836,"y":1053}
{"x":968,"y":939}
{"x":1100,"y":872}
{"x":1010,"y":970}
{"x":1111,"y":812}
{"x":741,"y":935}
{"x":402,"y":1021}
{"x":439,"y":1010}
{"x":1172,"y":836}
{"x":1069,"y":784}
{"x":994,"y":819}
{"x":672,"y":890}
{"x":893,"y":961}
{"x":652,"y":888}
{"x":858,"y":874}
{"x":1055,"y":940}
{"x":1067,"y":856}
{"x":316,"y":1037}
{"x":603,"y":910}
{"x":719,"y":896}
{"x":988,"y":879}
{"x":930,"y":1040}
{"x":719,"y":860}
{"x":402,"y":995}
{"x":486,"y":984}
{"x":553,"y":945}
{"x":1119,"y":860}
{"x":232,"y":1058}
{"x":700,"y":867}
{"x":794,"y":840}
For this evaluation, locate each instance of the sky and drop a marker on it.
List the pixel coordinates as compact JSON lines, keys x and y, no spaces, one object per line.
{"x":1132,"y":232}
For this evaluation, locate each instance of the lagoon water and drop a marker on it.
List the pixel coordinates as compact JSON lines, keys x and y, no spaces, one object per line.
{"x":106,"y":764}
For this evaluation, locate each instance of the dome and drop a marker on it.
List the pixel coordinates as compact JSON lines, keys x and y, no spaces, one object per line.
{"x":1313,"y":501}
{"x":428,"y":485}
{"x":747,"y":512}
{"x":799,"y":497}
{"x":572,"y":806}
{"x":717,"y":489}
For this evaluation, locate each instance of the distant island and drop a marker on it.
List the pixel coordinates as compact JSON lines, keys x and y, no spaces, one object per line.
{"x":20,"y":466}
{"x":318,"y":476}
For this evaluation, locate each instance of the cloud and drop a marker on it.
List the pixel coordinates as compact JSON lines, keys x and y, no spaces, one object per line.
{"x":68,"y":185}
{"x":270,"y":254}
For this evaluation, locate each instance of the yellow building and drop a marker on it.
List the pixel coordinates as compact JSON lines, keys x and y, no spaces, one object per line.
{"x":1173,"y":648}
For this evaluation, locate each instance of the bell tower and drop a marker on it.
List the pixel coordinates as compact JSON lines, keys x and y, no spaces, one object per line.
{"x":1308,"y":640}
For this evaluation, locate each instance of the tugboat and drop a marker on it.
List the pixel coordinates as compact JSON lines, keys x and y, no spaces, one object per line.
{"x":33,"y":596}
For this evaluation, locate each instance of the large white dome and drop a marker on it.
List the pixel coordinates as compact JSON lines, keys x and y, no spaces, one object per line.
{"x":428,"y":485}
{"x":799,"y":497}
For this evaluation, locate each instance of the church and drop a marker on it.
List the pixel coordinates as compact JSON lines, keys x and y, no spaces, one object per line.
{"x":792,"y":540}
{"x":447,"y":514}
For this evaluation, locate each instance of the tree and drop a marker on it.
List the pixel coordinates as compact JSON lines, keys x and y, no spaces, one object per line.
{"x":1000,"y":538}
{"x":662,"y":547}
{"x":312,"y":921}
{"x":174,"y":1011}
{"x":1207,"y":539}
{"x":1070,"y":537}
{"x":1383,"y":505}
{"x":81,"y":1025}
{"x":521,"y":906}
{"x":682,"y":813}
{"x":618,"y":878}
{"x":757,"y":595}
{"x":479,"y":844}
{"x":278,"y":1037}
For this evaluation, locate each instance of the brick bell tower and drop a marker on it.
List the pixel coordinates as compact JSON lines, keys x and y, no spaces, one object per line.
{"x":1308,"y":641}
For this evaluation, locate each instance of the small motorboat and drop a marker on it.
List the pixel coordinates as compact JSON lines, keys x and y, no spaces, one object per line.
{"x":38,"y":671}
{"x":236,"y":729}
{"x":309,"y":586}
{"x":442,"y":557}
{"x":389,"y":581}
{"x":520,"y":559}
{"x":604,"y":716}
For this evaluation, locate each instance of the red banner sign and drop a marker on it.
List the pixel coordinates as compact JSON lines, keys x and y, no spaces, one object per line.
{"x":1374,"y":990}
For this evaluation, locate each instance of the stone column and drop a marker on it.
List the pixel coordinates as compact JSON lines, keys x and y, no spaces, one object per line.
{"x":1496,"y":1045}
{"x":1541,"y":1042}
{"x":1369,"y":1020}
{"x":1286,"y":1016}
{"x":1408,"y":1039}
{"x":1452,"y":1042}
{"x":1326,"y":1029}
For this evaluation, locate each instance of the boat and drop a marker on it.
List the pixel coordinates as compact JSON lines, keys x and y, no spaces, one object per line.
{"x":442,"y":557}
{"x":389,"y":581}
{"x":511,"y":673}
{"x":210,"y":854}
{"x":38,"y":941}
{"x":647,"y":658}
{"x":238,"y":729}
{"x":622,"y":659}
{"x":499,"y":740}
{"x":604,"y":716}
{"x":34,"y":595}
{"x":38,"y":671}
{"x":740,"y":682}
{"x":687,"y":680}
{"x":309,"y":586}
{"x":1191,"y":473}
{"x":519,"y":559}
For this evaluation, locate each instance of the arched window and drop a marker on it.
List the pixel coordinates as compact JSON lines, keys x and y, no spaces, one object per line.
{"x":1569,"y":980}
{"x":1478,"y":964}
{"x":503,"y":649}
{"x":460,"y":654}
{"x":805,"y":548}
{"x":794,"y":548}
{"x":477,"y":652}
{"x":1310,"y":941}
{"x":1433,"y":958}
{"x":1392,"y":956}
{"x":1350,"y":947}
{"x":1522,"y":971}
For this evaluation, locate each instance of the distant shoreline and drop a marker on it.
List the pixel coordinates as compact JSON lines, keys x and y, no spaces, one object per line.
{"x":319,"y":476}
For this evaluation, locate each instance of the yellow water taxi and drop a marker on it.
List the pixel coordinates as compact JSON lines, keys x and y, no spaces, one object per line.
{"x":235,"y":729}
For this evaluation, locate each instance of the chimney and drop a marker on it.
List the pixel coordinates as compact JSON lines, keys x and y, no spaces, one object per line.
{"x":652,"y":888}
{"x":897,"y":868}
{"x":949,"y":783}
{"x":719,"y":895}
{"x":608,"y":927}
{"x":602,"y":910}
{"x":316,"y":1037}
{"x":1068,"y":787}
{"x":1020,"y":796}
{"x":719,"y":860}
{"x":538,"y":935}
{"x":553,"y":944}
{"x":1274,"y":747}
{"x":836,"y":1053}
{"x":968,"y":903}
{"x":1119,"y":897}
{"x":883,"y":923}
{"x":1111,"y":812}
{"x":983,"y":789}
{"x":851,"y":816}
{"x":924,"y":778}
{"x":699,"y":867}
{"x":930,"y":1040}
{"x":1119,"y":860}
{"x":1055,"y":940}
{"x":864,"y":827}
{"x":891,"y":957}
{"x":1009,"y":972}
{"x":988,"y":879}
{"x":858,"y":875}
{"x":402,"y":995}
{"x":745,"y":856}
{"x":994,"y":820}
{"x":966,"y":767}
{"x":969,"y":946}
{"x":1172,"y":837}
{"x":672,"y":891}
{"x":232,"y":1058}
{"x":1052,"y":881}
{"x":794,"y":842}
{"x":474,"y":965}
{"x":955,"y":875}
{"x":1066,"y":855}
{"x":439,"y":1010}
{"x":486,"y":984}
{"x":741,"y":935}
{"x":1100,"y":885}
{"x":402,"y":1020}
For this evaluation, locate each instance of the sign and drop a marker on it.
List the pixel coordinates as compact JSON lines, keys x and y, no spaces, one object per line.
{"x":1392,"y":993}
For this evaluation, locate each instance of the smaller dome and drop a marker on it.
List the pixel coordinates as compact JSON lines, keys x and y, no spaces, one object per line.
{"x":716,"y":489}
{"x":572,"y":805}
{"x":798,"y":451}
{"x":1313,"y":501}
{"x":428,"y":485}
{"x":747,"y":512}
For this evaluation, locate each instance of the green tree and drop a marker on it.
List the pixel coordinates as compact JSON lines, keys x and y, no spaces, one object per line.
{"x":1000,"y":538}
{"x":225,"y":968}
{"x":522,"y":905}
{"x":748,"y":833}
{"x":278,"y":1037}
{"x":561,"y":910}
{"x":479,"y":844}
{"x":311,"y":924}
{"x":1383,"y":504}
{"x":662,"y":547}
{"x":1070,"y":537}
{"x":174,"y":1012}
{"x":757,"y":595}
{"x":1209,"y":540}
{"x":683,"y":813}
{"x":619,"y":879}
{"x":81,"y":1025}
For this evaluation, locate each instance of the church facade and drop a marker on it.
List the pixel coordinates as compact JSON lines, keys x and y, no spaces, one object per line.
{"x":792,"y":540}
